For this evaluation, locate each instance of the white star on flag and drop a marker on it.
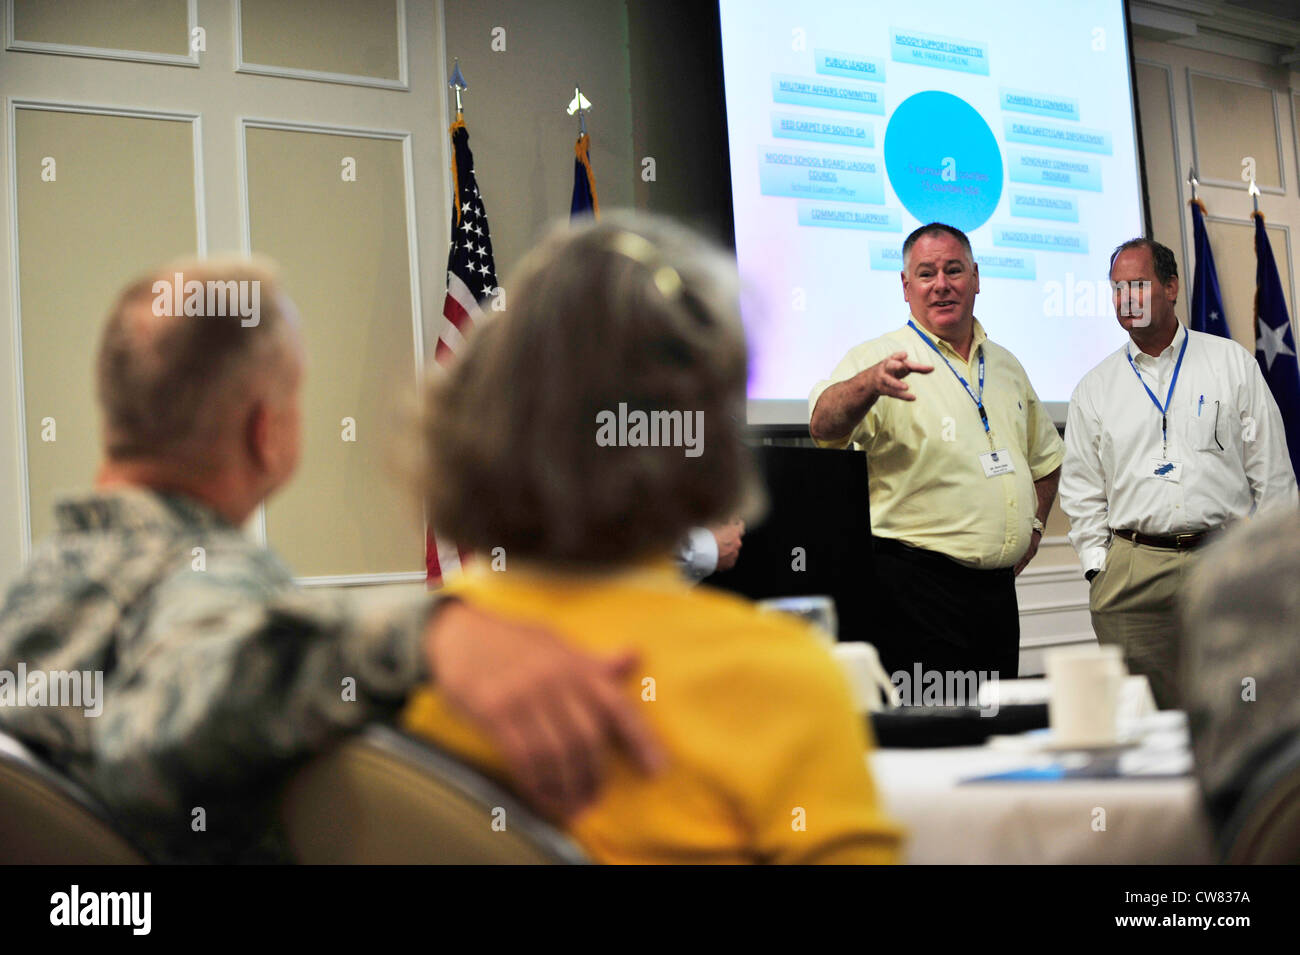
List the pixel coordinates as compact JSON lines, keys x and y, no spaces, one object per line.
{"x":1271,"y":343}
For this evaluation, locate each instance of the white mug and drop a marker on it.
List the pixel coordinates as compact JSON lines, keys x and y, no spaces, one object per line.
{"x":867,"y":678}
{"x":1085,"y":686}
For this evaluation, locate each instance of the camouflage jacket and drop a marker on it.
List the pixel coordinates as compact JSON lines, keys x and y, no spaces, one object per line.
{"x":218,"y":673}
{"x":1240,"y":655}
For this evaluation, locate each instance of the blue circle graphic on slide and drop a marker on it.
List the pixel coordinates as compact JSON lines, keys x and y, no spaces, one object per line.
{"x":943,"y":161}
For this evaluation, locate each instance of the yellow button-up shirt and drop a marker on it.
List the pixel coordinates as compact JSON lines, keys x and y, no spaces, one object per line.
{"x":766,"y":755}
{"x":927,"y":486}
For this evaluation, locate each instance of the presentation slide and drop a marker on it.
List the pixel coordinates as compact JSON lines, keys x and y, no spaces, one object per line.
{"x":852,"y":122}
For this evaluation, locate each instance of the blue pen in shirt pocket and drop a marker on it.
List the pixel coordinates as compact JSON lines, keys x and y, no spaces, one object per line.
{"x":1199,"y":404}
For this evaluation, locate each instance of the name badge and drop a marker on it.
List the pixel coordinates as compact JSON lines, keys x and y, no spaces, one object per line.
{"x":997,"y":462}
{"x":1171,"y":471}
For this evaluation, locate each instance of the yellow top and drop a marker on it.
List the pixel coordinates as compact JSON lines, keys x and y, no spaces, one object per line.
{"x":766,"y":756}
{"x":926,"y":483}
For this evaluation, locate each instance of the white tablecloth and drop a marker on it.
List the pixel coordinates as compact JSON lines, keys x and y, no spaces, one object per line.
{"x":1146,"y":820}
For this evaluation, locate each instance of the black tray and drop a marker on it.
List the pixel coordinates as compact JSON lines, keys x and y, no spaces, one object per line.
{"x":918,"y":727}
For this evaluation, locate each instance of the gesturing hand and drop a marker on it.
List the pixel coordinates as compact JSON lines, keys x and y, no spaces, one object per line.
{"x":886,"y":377}
{"x":551,"y":710}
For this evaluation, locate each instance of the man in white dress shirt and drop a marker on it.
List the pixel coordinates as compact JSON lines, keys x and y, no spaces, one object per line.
{"x":1169,"y":439}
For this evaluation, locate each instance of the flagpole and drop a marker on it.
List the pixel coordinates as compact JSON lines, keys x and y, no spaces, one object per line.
{"x":1254,"y":194}
{"x":579,"y":104}
{"x":457,"y":82}
{"x":1191,"y":179}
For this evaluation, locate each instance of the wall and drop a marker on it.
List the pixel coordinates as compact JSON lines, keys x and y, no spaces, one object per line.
{"x":156,"y":158}
{"x":515,"y":108}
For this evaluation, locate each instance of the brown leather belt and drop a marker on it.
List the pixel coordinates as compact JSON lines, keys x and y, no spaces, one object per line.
{"x":1169,"y":542}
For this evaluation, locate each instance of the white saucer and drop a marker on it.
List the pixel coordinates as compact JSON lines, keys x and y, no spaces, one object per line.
{"x":1041,"y":741}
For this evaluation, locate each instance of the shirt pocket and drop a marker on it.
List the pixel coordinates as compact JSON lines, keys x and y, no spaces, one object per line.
{"x":1212,"y":422}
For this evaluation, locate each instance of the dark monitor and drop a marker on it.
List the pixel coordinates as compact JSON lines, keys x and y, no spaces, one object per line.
{"x":817,"y":501}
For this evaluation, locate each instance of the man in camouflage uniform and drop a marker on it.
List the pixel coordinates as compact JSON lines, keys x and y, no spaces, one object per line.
{"x":219,"y":675}
{"x":1240,"y":658}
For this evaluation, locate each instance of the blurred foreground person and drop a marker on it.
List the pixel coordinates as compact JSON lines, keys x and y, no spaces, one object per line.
{"x":1240,"y":656}
{"x":212,"y":673}
{"x":583,"y":433}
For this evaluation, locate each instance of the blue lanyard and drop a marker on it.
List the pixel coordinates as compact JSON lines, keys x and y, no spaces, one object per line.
{"x":1164,"y":410}
{"x":977,"y":398}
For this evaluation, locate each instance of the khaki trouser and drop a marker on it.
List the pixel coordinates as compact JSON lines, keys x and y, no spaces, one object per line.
{"x":1134,"y":607}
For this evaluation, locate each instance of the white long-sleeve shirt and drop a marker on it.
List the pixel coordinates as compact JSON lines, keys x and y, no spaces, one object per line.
{"x":1226,"y":441}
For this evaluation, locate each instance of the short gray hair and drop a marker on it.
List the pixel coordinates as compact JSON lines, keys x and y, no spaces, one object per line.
{"x":936,"y":228}
{"x":166,"y":384}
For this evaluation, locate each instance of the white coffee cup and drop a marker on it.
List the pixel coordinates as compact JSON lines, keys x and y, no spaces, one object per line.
{"x":867,"y":678}
{"x":1085,"y":685}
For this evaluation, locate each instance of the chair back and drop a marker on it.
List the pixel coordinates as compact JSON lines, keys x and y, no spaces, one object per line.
{"x":47,"y":819}
{"x":383,"y":798}
{"x":1264,"y":828}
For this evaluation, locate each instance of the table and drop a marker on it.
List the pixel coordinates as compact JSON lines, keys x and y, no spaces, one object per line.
{"x":1145,"y":821}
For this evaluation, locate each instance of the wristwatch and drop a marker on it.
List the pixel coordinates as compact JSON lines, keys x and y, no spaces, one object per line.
{"x":1038,"y":525}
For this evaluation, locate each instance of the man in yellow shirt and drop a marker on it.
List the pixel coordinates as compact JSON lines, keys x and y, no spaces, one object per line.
{"x":963,"y":463}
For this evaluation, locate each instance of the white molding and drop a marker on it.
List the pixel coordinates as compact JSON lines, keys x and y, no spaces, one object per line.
{"x":444,"y":155}
{"x":1293,"y":95}
{"x":12,"y":106}
{"x":362,"y":580}
{"x":16,"y":330}
{"x":258,"y":526}
{"x":403,"y":81}
{"x":1039,"y":643}
{"x":190,"y":59}
{"x":413,"y":265}
{"x":1250,"y":222}
{"x":413,"y":253}
{"x":1280,"y":188}
{"x":1178,"y":159}
{"x":1225,"y":20}
{"x":1061,"y":606}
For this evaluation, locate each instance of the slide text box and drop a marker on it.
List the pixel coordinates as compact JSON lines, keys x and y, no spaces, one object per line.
{"x":1045,"y":240}
{"x":1039,"y":169}
{"x":803,"y":174}
{"x":828,"y":94}
{"x":842,"y":132}
{"x":942,"y":52}
{"x":827,"y":215}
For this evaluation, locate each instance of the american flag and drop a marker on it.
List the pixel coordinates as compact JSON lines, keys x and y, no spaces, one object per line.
{"x":471,"y":271}
{"x":471,"y":277}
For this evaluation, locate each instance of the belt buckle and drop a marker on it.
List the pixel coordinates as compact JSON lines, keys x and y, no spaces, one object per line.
{"x":1185,"y":540}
